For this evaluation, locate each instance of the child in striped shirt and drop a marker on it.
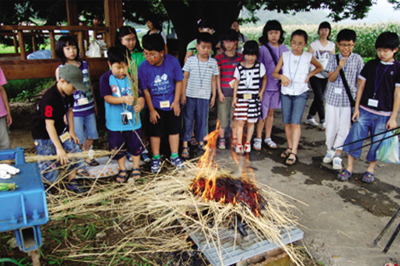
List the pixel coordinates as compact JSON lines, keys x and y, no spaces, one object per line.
{"x":248,"y":94}
{"x":199,"y":86}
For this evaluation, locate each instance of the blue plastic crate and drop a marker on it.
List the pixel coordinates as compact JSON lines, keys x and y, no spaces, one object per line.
{"x":26,"y":206}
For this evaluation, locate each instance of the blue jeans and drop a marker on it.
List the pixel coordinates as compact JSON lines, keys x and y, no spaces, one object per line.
{"x":49,"y":168}
{"x":195,"y":109}
{"x":367,"y":123}
{"x":85,"y":127}
{"x":293,"y":108}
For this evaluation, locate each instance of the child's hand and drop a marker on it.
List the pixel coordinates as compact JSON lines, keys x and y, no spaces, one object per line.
{"x":183,"y":99}
{"x":177,"y":109}
{"x":74,"y":137}
{"x":234,"y":103}
{"x":260,"y":95}
{"x":285,"y":81}
{"x":307,"y":78}
{"x":342,"y":62}
{"x":391,"y":124}
{"x":153,"y":116}
{"x":129,"y":100}
{"x":138,"y":107}
{"x":355,"y":115}
{"x":62,"y":156}
{"x":9,"y":120}
{"x":221,"y":97}
{"x":212,"y":101}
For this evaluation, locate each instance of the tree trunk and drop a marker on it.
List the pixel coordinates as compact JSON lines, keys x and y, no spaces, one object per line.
{"x":184,"y":18}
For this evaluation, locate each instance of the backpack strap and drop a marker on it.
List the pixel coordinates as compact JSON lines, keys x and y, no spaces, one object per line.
{"x":346,"y":85}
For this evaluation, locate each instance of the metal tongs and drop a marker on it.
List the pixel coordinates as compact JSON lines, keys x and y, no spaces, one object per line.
{"x":394,"y":235}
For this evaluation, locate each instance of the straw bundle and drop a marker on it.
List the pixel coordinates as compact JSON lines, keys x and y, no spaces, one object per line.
{"x":147,"y":214}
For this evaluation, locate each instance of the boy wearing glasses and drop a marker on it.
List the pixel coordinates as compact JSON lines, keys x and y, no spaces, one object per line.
{"x":338,"y":105}
{"x":160,"y":78}
{"x":377,"y":104}
{"x":227,"y":61}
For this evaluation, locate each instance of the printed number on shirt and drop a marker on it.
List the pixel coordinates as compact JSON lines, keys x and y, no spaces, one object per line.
{"x":48,"y":111}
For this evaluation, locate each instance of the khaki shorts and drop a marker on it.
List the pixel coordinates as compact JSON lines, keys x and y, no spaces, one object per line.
{"x":225,"y":112}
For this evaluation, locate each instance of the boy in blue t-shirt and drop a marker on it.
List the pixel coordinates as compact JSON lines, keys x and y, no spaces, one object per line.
{"x":199,"y":86}
{"x":160,"y":78}
{"x":121,"y":108}
{"x":377,"y":104}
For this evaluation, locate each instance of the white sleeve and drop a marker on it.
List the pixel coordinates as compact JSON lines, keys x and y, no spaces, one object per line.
{"x":236,"y":75}
{"x":164,"y":36}
{"x":262,"y":70}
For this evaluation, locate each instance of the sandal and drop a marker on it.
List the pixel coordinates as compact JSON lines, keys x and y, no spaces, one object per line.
{"x":368,"y":177}
{"x":257,"y":144}
{"x":344,"y":175}
{"x":92,"y":162}
{"x":136,"y":175}
{"x":123,"y":177}
{"x":286,"y":153}
{"x":291,"y":160}
{"x":392,"y":264}
{"x":270,"y":143}
{"x":185,"y":153}
{"x":83,"y":172}
{"x":193,"y":141}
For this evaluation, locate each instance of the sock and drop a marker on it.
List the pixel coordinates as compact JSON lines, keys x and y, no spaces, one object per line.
{"x":156,"y":157}
{"x":337,"y":155}
{"x":174,"y":155}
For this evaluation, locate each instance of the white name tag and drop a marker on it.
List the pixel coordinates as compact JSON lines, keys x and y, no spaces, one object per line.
{"x":373,"y":102}
{"x":338,"y":90}
{"x":83,"y":101}
{"x":247,"y":96}
{"x":128,"y":115}
{"x":64,"y":137}
{"x":164,"y":104}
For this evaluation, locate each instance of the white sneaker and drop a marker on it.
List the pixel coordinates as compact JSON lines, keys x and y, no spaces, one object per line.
{"x":323,"y":126}
{"x":239,"y":149}
{"x":329,"y":156}
{"x":247,"y":148}
{"x":311,"y":122}
{"x":337,"y":163}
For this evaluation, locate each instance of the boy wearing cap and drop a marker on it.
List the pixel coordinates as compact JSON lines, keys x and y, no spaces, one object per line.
{"x":49,"y":132}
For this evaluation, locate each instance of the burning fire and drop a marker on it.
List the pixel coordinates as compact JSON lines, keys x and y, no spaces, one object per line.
{"x":209,"y":185}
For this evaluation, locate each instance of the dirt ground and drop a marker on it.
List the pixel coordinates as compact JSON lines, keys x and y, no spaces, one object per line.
{"x":340,"y":220}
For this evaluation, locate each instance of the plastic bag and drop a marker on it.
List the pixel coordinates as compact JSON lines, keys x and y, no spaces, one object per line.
{"x":94,"y":49}
{"x":388,"y":150}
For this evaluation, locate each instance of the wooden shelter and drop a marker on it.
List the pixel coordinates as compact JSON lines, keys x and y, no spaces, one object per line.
{"x":23,"y":68}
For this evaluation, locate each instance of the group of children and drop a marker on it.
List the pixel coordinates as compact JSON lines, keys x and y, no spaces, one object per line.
{"x":247,"y":87}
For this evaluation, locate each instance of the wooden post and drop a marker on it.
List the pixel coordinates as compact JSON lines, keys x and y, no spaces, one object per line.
{"x":72,"y":14}
{"x":33,"y":43}
{"x":52,"y":44}
{"x":15,"y":44}
{"x":111,"y":21}
{"x":81,"y":44}
{"x":21,"y":44}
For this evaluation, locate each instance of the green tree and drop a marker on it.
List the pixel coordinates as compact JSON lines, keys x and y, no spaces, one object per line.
{"x":184,"y":14}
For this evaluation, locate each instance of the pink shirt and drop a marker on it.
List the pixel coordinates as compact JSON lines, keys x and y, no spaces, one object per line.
{"x":3,"y":111}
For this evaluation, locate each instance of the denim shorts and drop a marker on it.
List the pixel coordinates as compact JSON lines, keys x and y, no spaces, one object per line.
{"x":49,"y":168}
{"x":293,"y":108}
{"x":367,"y":123}
{"x":85,"y":127}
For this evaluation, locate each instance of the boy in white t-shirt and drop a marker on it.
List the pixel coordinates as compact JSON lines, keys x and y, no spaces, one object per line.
{"x":199,"y":86}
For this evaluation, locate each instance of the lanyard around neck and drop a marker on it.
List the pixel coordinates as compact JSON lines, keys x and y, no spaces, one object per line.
{"x":205,"y":71}
{"x":297,"y":67}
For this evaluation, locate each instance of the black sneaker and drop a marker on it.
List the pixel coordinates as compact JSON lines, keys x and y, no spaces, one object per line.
{"x":74,"y":186}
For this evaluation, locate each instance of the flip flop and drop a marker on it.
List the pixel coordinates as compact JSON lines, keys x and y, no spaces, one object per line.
{"x":344,"y":175}
{"x":368,"y":177}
